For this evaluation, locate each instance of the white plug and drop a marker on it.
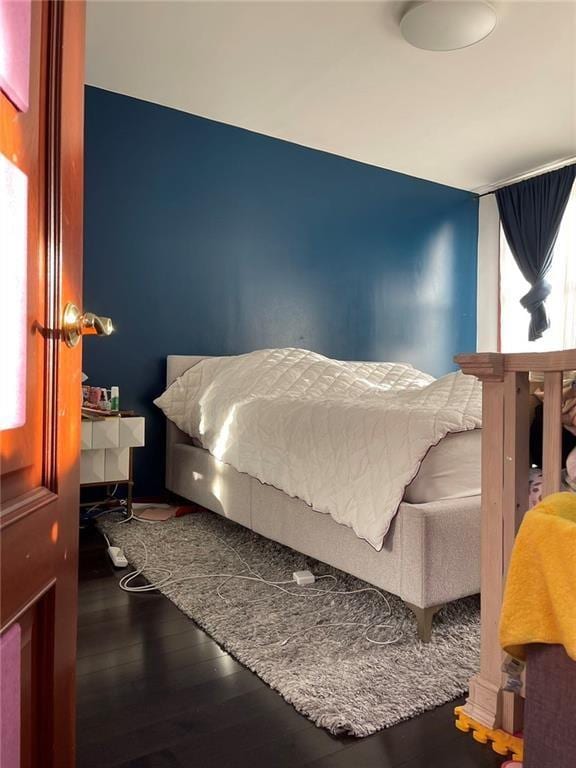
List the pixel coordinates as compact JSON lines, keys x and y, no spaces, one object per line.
{"x":302,"y":578}
{"x":118,"y":558}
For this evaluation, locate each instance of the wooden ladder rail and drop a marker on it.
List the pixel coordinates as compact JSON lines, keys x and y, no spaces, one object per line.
{"x":505,"y":480}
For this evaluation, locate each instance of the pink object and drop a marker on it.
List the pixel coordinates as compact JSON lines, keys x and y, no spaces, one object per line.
{"x":15,"y":22}
{"x":95,"y":395}
{"x":13,"y":296}
{"x":10,"y":645}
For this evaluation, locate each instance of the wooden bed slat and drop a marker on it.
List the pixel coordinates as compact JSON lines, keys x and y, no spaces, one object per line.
{"x":552,"y":440}
{"x":516,"y":455}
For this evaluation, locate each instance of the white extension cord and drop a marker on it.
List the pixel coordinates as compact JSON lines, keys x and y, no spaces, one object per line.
{"x":299,"y":578}
{"x":118,"y":557}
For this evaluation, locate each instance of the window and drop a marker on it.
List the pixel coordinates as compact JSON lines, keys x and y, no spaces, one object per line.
{"x":560,"y":305}
{"x":13,"y":296}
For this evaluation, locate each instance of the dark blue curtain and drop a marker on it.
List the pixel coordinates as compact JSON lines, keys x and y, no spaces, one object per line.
{"x":531,"y":212}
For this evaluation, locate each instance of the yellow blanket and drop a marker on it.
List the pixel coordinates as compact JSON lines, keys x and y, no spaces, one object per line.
{"x":540,"y":597}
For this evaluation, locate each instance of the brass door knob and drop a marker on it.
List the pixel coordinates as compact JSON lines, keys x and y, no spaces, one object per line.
{"x":76,"y":324}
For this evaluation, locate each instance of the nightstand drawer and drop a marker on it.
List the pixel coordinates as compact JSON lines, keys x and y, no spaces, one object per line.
{"x":86,"y":435}
{"x":106,"y":433}
{"x":92,"y":466}
{"x":117,"y":464}
{"x":131,"y":432}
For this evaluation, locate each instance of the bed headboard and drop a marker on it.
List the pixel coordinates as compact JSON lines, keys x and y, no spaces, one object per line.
{"x":176,"y":365}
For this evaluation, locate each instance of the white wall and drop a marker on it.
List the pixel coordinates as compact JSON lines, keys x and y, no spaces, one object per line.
{"x":488,"y":275}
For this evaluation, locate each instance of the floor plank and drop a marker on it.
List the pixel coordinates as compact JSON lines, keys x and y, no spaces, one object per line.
{"x":154,"y":691}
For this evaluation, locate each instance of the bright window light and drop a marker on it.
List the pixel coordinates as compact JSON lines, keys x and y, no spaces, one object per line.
{"x":560,"y":305}
{"x":13,"y":268}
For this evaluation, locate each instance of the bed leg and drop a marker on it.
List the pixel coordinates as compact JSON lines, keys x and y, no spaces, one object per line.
{"x":424,"y":618}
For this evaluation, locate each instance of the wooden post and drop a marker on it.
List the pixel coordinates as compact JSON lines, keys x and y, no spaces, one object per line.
{"x":483,"y":703}
{"x":505,"y":470}
{"x":515,"y":497}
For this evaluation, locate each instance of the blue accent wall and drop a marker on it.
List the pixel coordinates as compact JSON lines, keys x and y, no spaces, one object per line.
{"x":202,"y":238}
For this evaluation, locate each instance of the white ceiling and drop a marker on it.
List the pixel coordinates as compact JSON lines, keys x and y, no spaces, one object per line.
{"x":338,"y":76}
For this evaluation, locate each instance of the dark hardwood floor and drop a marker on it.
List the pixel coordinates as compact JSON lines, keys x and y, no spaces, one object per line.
{"x":154,"y":691}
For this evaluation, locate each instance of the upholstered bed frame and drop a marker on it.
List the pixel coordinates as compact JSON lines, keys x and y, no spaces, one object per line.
{"x":430,"y":556}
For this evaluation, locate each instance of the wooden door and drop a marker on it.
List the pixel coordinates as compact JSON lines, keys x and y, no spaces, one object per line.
{"x":41,"y":156}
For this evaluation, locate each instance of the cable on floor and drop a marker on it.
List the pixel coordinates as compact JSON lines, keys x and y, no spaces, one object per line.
{"x":167,"y":579}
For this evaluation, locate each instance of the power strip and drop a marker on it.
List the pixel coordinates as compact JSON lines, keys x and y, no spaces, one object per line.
{"x":118,"y":558}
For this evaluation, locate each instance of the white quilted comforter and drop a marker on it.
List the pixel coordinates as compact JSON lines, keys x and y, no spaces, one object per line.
{"x":347,"y":438}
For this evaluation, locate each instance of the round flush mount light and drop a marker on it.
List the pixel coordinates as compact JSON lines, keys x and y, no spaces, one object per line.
{"x":446,"y":25}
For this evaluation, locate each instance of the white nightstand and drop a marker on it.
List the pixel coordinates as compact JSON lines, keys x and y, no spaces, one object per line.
{"x":106,"y":451}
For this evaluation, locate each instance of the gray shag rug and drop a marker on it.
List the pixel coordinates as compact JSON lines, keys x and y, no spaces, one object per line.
{"x":332,"y":675}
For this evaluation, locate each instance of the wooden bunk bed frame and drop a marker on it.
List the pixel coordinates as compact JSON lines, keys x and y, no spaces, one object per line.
{"x":491,"y":713}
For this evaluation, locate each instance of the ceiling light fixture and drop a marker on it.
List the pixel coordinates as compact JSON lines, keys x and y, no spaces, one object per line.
{"x":446,"y":25}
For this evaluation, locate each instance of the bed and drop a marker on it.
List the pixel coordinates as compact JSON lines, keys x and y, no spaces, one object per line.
{"x":430,"y":554}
